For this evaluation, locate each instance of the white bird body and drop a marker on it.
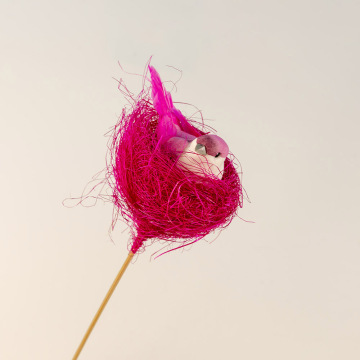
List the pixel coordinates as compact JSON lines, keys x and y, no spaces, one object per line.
{"x":201,"y":164}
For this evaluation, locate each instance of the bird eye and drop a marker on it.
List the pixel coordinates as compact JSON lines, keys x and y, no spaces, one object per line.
{"x":217,"y":155}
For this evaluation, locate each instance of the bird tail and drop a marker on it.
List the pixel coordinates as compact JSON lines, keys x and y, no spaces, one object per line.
{"x":163,"y":104}
{"x":171,"y":121}
{"x":161,"y":98}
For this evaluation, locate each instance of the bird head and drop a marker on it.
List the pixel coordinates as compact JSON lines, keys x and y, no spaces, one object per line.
{"x":212,"y":145}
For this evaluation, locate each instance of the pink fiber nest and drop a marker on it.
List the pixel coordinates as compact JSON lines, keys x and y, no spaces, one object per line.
{"x":156,"y":198}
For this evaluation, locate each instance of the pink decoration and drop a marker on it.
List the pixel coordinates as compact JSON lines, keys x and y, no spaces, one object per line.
{"x":170,"y":180}
{"x":159,"y":199}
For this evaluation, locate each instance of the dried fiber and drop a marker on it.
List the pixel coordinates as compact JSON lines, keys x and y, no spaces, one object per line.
{"x":157,"y":198}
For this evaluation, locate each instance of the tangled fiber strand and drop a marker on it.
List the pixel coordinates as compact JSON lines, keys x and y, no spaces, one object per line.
{"x":158,"y":199}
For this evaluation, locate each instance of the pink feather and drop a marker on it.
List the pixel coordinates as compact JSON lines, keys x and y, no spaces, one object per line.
{"x":171,"y":121}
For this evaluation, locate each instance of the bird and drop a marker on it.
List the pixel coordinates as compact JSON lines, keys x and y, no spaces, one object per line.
{"x":202,"y":154}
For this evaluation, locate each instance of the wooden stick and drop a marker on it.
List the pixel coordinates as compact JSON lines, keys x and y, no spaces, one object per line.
{"x":103,"y":304}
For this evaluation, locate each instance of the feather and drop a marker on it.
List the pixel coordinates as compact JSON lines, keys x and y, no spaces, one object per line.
{"x":171,"y":121}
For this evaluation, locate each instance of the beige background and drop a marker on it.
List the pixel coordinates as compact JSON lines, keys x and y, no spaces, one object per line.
{"x":280,"y":82}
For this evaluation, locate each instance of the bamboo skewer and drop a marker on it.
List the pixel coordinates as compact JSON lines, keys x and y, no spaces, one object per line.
{"x":103,"y":304}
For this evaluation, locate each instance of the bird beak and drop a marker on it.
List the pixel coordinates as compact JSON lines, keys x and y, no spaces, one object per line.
{"x":200,"y":149}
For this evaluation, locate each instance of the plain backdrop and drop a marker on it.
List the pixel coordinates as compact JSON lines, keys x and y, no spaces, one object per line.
{"x":280,"y":82}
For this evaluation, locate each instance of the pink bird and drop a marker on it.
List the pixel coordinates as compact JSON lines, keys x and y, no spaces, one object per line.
{"x":201,"y":154}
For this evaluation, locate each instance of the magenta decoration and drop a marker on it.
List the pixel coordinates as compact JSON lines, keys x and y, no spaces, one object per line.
{"x":174,"y":180}
{"x":171,"y":179}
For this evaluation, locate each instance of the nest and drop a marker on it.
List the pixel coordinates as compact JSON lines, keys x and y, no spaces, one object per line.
{"x":158,"y":199}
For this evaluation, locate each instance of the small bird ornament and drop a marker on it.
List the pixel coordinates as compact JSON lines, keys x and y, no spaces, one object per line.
{"x":203,"y":155}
